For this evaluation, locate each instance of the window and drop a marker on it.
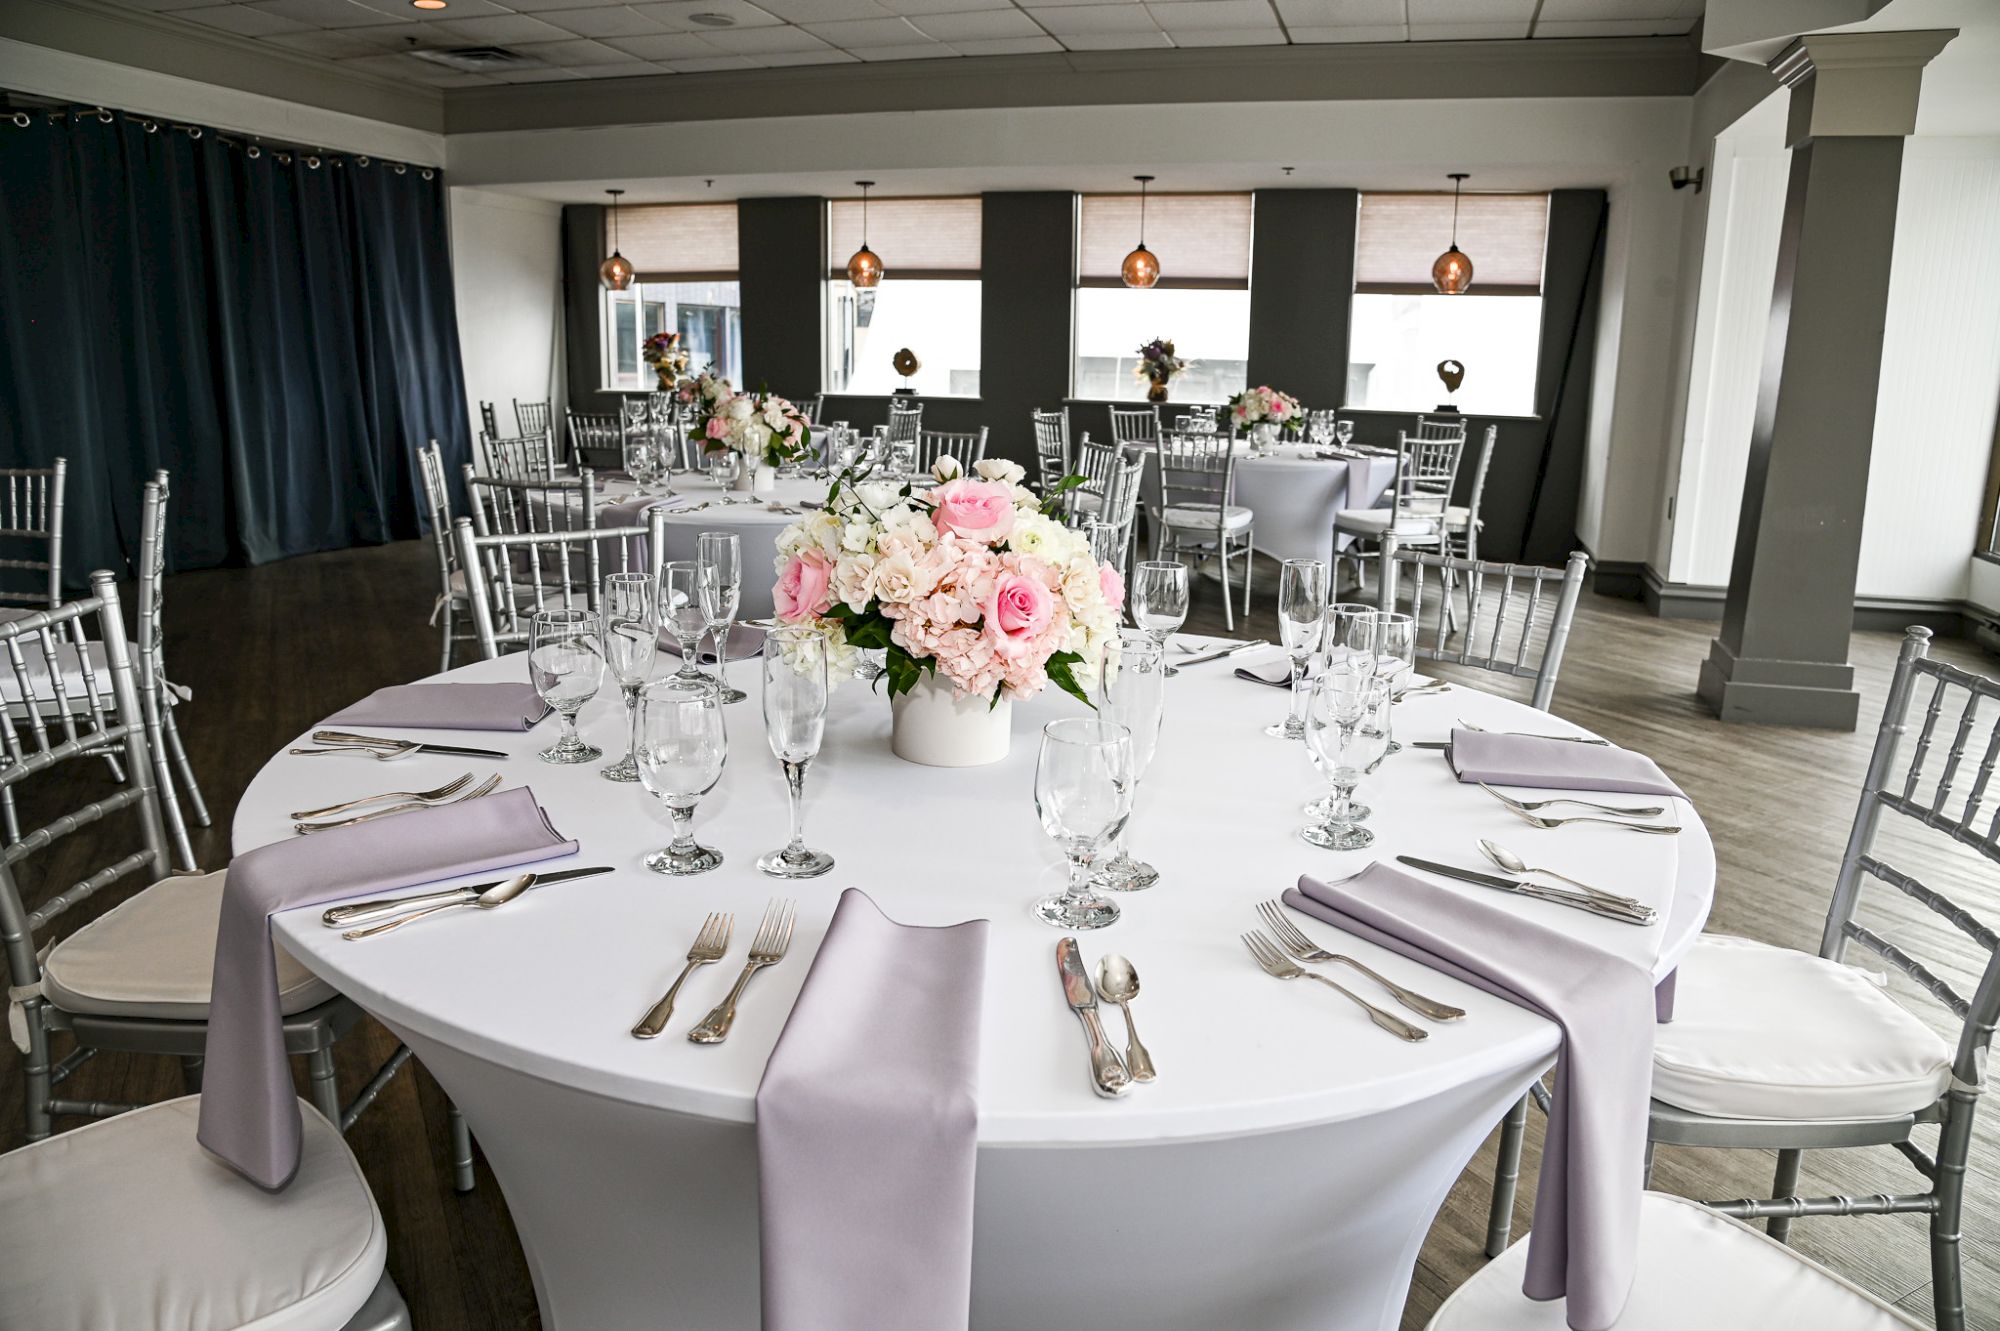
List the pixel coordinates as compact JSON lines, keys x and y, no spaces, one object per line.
{"x":1400,"y":328}
{"x":1202,"y":302}
{"x":685,"y":256}
{"x":928,"y":299}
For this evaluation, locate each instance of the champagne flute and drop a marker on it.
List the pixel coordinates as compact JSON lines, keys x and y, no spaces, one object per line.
{"x":1392,"y":641}
{"x":1159,"y":597}
{"x":1346,"y":731}
{"x":720,"y":575}
{"x":1347,"y":639}
{"x":795,"y":686}
{"x":1301,"y":628}
{"x":631,"y":635}
{"x":566,"y":664}
{"x":1132,"y":692}
{"x":681,"y":746}
{"x":1083,"y":794}
{"x":681,"y":613}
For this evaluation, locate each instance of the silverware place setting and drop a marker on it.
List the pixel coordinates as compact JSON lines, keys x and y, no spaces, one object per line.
{"x":1464,"y":724}
{"x":492,"y":898}
{"x":1520,"y":868}
{"x":1611,"y":910}
{"x":1273,"y":961}
{"x":484,"y":788}
{"x":369,"y":912}
{"x":709,"y":946}
{"x":342,"y":738}
{"x":1536,"y":806}
{"x":1293,"y":940}
{"x":1109,"y":1076}
{"x":1545,"y":822}
{"x":1218,"y":653}
{"x":768,"y":948}
{"x":399,"y":797}
{"x":1118,"y":984}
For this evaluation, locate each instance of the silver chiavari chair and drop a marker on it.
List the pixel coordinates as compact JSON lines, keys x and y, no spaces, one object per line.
{"x":31,"y":518}
{"x":489,"y":421}
{"x":1518,"y":616}
{"x":524,"y":458}
{"x":1426,"y":471}
{"x":1441,"y":427}
{"x":1137,"y":425}
{"x":1462,"y":523}
{"x":159,"y":697}
{"x":531,"y":417}
{"x":451,"y":612}
{"x":968,"y":448}
{"x":563,"y":506}
{"x":1112,"y":521}
{"x":1098,"y":465}
{"x":504,"y":607}
{"x":595,"y":440}
{"x":1197,"y":517}
{"x":813,"y":407}
{"x":906,"y":421}
{"x":1052,"y":452}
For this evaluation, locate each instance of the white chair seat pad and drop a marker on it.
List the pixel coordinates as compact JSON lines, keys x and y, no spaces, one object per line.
{"x":1235,"y":518}
{"x":1457,"y":518}
{"x":1698,"y":1271}
{"x":1767,"y":1032}
{"x":127,"y":1223}
{"x":154,"y":954}
{"x":72,"y":671}
{"x":1375,"y":521}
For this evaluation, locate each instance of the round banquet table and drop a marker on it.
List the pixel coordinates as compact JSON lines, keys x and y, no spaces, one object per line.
{"x":1296,"y":495}
{"x":1280,"y":1175}
{"x":752,"y":517}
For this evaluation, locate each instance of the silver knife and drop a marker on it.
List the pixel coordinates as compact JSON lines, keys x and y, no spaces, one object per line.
{"x":342,"y":740}
{"x":361,"y":912}
{"x":1107,"y":1072}
{"x":1221,"y":652}
{"x":1610,"y":910}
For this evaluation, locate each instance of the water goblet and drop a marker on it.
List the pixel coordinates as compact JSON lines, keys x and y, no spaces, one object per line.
{"x":565,"y":664}
{"x":795,"y":687}
{"x":719,"y":572}
{"x":1392,"y":642}
{"x":1319,"y":427}
{"x":903,"y":458}
{"x":1083,"y":795}
{"x":681,"y":613}
{"x":678,"y":736}
{"x":1302,"y":629}
{"x":1343,"y":433}
{"x":1159,"y":598}
{"x":1346,"y":640}
{"x":1346,"y":731}
{"x":725,"y":468}
{"x":631,"y":635}
{"x":1132,"y":692}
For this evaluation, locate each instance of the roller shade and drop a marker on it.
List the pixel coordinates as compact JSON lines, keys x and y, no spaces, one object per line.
{"x":1401,"y":235}
{"x":916,"y":238}
{"x":1202,"y":240}
{"x":677,"y":242}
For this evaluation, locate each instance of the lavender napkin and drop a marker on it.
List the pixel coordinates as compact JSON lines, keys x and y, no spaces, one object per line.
{"x":867,"y":1125}
{"x":1553,"y":764}
{"x":745,"y":641}
{"x":249,"y":1111}
{"x":1584,"y":1246}
{"x":632,"y":513}
{"x":1276,"y":673}
{"x":447,"y":707}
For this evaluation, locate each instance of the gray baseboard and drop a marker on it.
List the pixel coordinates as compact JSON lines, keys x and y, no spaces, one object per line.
{"x":1622,"y":579}
{"x":1883,"y":614}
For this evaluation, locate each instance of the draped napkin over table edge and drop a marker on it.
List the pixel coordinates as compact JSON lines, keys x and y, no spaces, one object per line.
{"x":1584,"y":1244}
{"x":446,"y":706}
{"x":867,"y":1130}
{"x":745,"y":641}
{"x":1540,"y":763}
{"x":249,"y":1111}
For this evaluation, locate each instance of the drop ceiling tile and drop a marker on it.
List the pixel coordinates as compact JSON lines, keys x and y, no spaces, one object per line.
{"x":1196,"y":15}
{"x":1007,"y":45}
{"x":540,"y":75}
{"x":1486,"y":11}
{"x":1467,"y":31}
{"x":978,"y":25}
{"x":1095,"y":19}
{"x":666,"y":46}
{"x":241,"y":20}
{"x":322,"y":13}
{"x":623,"y":69}
{"x":1341,"y":13}
{"x":1200,"y":37}
{"x":328,"y":45}
{"x":397,"y":65}
{"x":1637,"y":27}
{"x":571,"y":53}
{"x":824,"y":11}
{"x":507,"y":30}
{"x":543,"y":6}
{"x":710,"y":63}
{"x":1072,"y":4}
{"x":682,"y":15}
{"x":393,"y":36}
{"x":393,"y":10}
{"x":1116,"y":41}
{"x":437,"y":77}
{"x":856,"y":33}
{"x":826,"y":55}
{"x":780,"y":40}
{"x":162,"y":6}
{"x":928,"y":51}
{"x":1315,"y":34}
{"x":915,"y":7}
{"x":611,"y":21}
{"x":1608,"y":10}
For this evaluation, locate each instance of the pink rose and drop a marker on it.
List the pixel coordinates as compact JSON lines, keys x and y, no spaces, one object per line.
{"x":1112,"y":586}
{"x":977,"y":510}
{"x":1019,"y":610}
{"x":716,"y":427}
{"x":803,"y":591}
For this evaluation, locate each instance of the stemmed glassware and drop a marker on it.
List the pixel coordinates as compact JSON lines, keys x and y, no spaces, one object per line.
{"x":681,"y":613}
{"x":641,"y":458}
{"x":1392,"y":643}
{"x":1159,"y":599}
{"x":1343,"y":433}
{"x":795,"y":686}
{"x":1319,"y":427}
{"x":725,"y":468}
{"x":566,"y":664}
{"x":1346,"y":732}
{"x":719,"y":571}
{"x":1302,"y":629}
{"x":681,"y":746}
{"x":1133,"y":695}
{"x":1083,"y":793}
{"x":1348,"y":630}
{"x":631,"y":636}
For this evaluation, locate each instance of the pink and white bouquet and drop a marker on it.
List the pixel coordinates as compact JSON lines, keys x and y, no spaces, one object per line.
{"x":1264,"y":405}
{"x":703,"y":394}
{"x":763,"y":427}
{"x":962,"y":577}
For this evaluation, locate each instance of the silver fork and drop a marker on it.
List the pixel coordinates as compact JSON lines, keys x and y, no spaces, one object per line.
{"x":486,"y":787}
{"x":774,"y":935}
{"x":1567,"y":739}
{"x":443,"y":792}
{"x":709,"y":945}
{"x":1294,"y":941}
{"x":1537,"y":820}
{"x":1530,"y":806}
{"x":1277,"y":963}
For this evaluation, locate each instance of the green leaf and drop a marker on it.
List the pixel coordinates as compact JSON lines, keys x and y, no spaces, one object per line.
{"x":1053,"y":499}
{"x":1062,"y":675}
{"x":903,"y":670}
{"x":868,"y":631}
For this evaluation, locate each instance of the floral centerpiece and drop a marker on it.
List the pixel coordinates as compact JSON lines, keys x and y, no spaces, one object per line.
{"x":766,"y":429}
{"x":1157,"y":366}
{"x":663,"y":352}
{"x":702,"y":394}
{"x":973,"y":591}
{"x":1264,"y":412}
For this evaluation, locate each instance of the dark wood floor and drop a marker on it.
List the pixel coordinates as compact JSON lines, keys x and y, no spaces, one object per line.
{"x":267,"y":651}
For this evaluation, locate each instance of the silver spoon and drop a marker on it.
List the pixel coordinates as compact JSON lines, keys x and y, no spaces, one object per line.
{"x":498,"y":895}
{"x":1118,"y":983}
{"x":1514,"y":864}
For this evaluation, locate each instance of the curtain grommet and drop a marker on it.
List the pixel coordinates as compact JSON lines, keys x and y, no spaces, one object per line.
{"x":23,"y":119}
{"x":428,"y":173}
{"x":253,"y":152}
{"x":104,"y":117}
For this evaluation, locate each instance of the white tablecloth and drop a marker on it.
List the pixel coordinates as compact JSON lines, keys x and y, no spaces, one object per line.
{"x":1279,"y":1176}
{"x":1295,"y":497}
{"x":750,"y":516}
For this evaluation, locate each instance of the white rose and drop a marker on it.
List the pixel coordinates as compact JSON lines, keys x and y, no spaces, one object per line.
{"x":1036,"y":535}
{"x":898,"y":579}
{"x":1000,"y":469}
{"x":879,"y":496}
{"x":854,"y":579}
{"x":739,"y":408}
{"x":947,"y":468}
{"x":858,"y":538}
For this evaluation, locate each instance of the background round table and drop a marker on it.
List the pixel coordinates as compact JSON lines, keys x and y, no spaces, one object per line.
{"x":1279,"y":1176}
{"x":1296,"y":496}
{"x":757,"y":519}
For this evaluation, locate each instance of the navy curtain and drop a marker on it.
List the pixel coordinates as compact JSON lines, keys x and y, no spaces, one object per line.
{"x":279,"y":336}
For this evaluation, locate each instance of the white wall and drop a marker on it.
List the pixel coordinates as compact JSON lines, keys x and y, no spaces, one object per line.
{"x":507,"y":274}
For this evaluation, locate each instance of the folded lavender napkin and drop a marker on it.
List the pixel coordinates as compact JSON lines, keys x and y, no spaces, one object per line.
{"x":1277,"y":673}
{"x":1584,"y":1246}
{"x":249,"y":1111}
{"x":447,"y":707}
{"x":867,"y":1126}
{"x":745,"y":641}
{"x":1553,"y":764}
{"x":632,"y":513}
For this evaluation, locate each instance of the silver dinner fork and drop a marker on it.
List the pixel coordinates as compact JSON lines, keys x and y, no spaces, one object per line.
{"x":1294,"y":941}
{"x":774,"y":936}
{"x":1538,"y":820}
{"x":380,"y":755}
{"x":1278,"y":964}
{"x":443,"y":792}
{"x":1524,"y":734}
{"x":486,"y":787}
{"x":709,"y":945}
{"x":1532,"y":806}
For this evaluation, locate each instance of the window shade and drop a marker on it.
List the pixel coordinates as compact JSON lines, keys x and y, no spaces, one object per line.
{"x":1202,"y":240}
{"x":677,"y":242}
{"x":916,"y":237}
{"x":1401,"y":235}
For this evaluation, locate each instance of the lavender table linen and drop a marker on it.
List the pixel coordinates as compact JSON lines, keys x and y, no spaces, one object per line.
{"x":867,"y":1127}
{"x":632,"y":513}
{"x":1554,"y":764}
{"x":447,"y":707}
{"x":1584,"y":1245}
{"x":745,"y":641}
{"x":1277,"y":673}
{"x":249,"y":1111}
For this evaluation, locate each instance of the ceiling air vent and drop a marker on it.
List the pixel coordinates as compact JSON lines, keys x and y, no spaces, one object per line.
{"x":478,"y":59}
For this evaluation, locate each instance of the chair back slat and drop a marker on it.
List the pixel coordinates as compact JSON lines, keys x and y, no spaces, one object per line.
{"x":1526,"y":643}
{"x":489,"y":422}
{"x":1195,"y":469}
{"x":968,"y":447}
{"x":34,"y":517}
{"x":906,"y":421}
{"x":1136,"y":425}
{"x":1052,"y":452}
{"x":503,"y":608}
{"x":531,"y":418}
{"x":527,"y":457}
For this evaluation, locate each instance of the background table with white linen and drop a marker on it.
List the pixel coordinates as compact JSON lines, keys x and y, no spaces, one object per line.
{"x":756,"y":519}
{"x":1296,"y":496}
{"x":1279,"y":1176}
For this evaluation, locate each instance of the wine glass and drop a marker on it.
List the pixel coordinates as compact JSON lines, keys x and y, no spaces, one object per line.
{"x":1159,"y":597}
{"x":1347,"y":640}
{"x":630,"y":632}
{"x":1319,"y":427}
{"x":725,"y":468}
{"x":681,"y":745}
{"x":719,"y":573}
{"x":1346,"y":732}
{"x":795,"y":685}
{"x":631,"y":410}
{"x":1343,"y":433}
{"x":641,"y":459}
{"x":903,"y":457}
{"x":1392,"y":642}
{"x":681,"y":613}
{"x":1083,"y":793}
{"x":565,"y":664}
{"x":1301,"y":628}
{"x":1132,"y":693}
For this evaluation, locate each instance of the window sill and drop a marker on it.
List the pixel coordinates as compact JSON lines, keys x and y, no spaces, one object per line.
{"x":901,"y":397}
{"x":1429,"y":411}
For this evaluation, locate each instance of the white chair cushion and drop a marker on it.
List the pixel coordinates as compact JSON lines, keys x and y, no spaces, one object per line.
{"x":1698,"y":1271}
{"x":1375,"y":521}
{"x":154,"y":954}
{"x":44,"y":689}
{"x":1458,"y":517}
{"x":128,"y":1224}
{"x":1203,"y":515}
{"x":1772,"y":1033}
{"x":10,"y":613}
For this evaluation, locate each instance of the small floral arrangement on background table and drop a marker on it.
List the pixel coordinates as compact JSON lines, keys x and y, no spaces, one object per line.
{"x":663,"y":352}
{"x":1264,"y":406}
{"x":1157,"y":367}
{"x":765,"y":428}
{"x":702,"y":395}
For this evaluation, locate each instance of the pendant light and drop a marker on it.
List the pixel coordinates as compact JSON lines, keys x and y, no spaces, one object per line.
{"x":1452,"y":273}
{"x":1141,"y":267}
{"x":616,"y":271}
{"x":865,"y":268}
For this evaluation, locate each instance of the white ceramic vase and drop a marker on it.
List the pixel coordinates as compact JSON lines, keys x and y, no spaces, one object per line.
{"x":764,"y":479}
{"x":746,"y":479}
{"x":931,"y":727}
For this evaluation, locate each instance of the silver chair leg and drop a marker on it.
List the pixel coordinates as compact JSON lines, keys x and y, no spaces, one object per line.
{"x":1249,"y":562}
{"x":461,"y":1150}
{"x":35,"y":1073}
{"x":150,"y":708}
{"x":445,"y":655}
{"x":1784,"y":1184}
{"x":1506,"y":1178}
{"x":1947,"y":1269}
{"x":1646,"y":1170}
{"x":10,"y":814}
{"x":182,"y":767}
{"x":1222,"y":567}
{"x":324,"y":1088}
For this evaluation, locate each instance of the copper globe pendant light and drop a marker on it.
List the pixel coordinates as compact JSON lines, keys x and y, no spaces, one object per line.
{"x":616,"y":271}
{"x":865,"y":268}
{"x":1452,"y":273}
{"x":1141,"y":267}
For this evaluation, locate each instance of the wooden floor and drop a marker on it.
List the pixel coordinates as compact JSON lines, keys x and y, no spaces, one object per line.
{"x":268,"y":651}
